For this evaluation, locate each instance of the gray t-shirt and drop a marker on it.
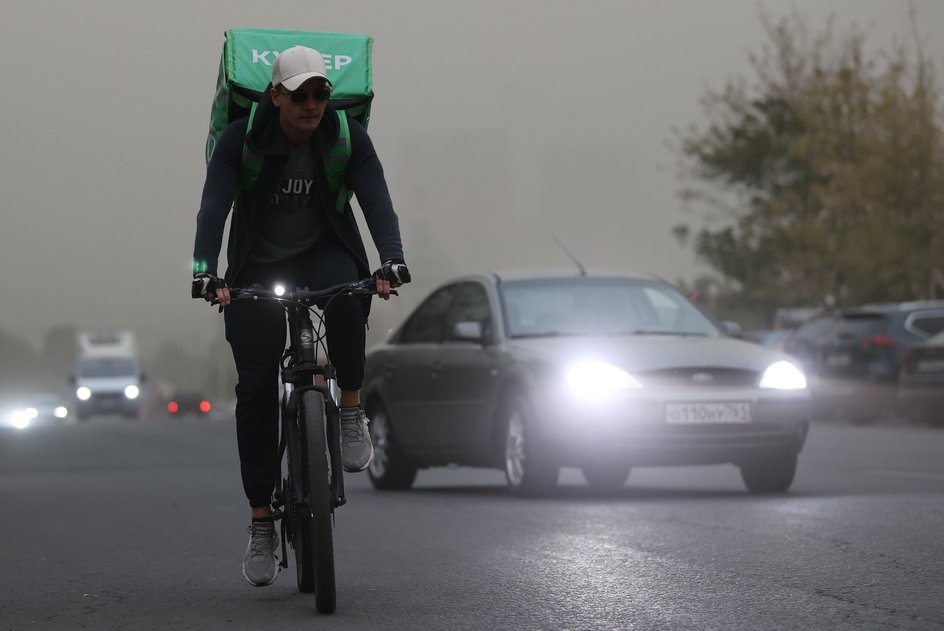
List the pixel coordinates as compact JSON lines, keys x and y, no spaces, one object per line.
{"x":294,"y":219}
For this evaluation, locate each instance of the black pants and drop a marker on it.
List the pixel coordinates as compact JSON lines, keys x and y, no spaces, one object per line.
{"x":256,"y":331}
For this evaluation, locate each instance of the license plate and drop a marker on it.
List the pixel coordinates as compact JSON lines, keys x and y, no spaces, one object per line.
{"x":838,"y":359}
{"x":931,"y":365}
{"x":694,"y":413}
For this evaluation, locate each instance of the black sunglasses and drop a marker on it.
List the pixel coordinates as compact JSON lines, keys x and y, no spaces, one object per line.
{"x":301,"y":96}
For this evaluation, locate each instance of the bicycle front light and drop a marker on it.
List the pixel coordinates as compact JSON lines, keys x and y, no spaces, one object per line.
{"x":279,"y":290}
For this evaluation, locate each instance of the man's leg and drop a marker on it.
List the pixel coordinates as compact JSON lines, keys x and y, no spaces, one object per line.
{"x":256,"y":333}
{"x":327,"y":264}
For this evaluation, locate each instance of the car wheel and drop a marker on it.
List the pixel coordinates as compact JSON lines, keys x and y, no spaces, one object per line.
{"x":390,"y":469}
{"x":606,"y":476}
{"x":528,"y":470}
{"x":770,"y":472}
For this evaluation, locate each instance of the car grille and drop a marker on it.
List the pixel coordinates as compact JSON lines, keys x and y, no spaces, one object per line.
{"x":698,"y":377}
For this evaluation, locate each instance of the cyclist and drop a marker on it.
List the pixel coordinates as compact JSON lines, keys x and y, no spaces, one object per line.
{"x":286,"y":228}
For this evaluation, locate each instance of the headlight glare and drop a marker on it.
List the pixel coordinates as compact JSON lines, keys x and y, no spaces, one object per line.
{"x":783,"y":375}
{"x":20,"y":419}
{"x":83,"y":393}
{"x":132,"y":391}
{"x":595,"y":378}
{"x":60,"y":412}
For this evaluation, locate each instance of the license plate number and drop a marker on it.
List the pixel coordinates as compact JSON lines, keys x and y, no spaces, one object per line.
{"x":694,"y":413}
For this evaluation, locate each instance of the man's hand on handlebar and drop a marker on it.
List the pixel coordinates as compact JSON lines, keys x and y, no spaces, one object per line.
{"x":210,"y":288}
{"x":391,"y":275}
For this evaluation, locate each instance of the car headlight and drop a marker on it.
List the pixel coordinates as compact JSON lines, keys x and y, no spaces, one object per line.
{"x":60,"y":412}
{"x":20,"y":419}
{"x":594,"y":378}
{"x":83,"y":393}
{"x":31,"y":413}
{"x":132,"y":391}
{"x":783,"y":375}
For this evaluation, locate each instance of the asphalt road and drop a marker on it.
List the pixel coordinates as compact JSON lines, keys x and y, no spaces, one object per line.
{"x":142,"y":525}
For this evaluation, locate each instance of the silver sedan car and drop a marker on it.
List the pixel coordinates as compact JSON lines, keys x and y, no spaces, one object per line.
{"x":533,"y":372}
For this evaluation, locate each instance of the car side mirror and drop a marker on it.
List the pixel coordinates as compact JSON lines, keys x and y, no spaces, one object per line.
{"x":468,"y":331}
{"x":72,"y":379}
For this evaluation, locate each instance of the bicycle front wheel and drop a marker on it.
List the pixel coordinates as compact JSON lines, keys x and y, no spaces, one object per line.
{"x":314,"y":537}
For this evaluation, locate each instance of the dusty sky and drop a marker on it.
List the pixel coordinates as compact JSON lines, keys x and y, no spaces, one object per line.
{"x":501,"y":124}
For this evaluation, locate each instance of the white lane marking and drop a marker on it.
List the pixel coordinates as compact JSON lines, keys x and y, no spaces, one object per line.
{"x":907,"y":474}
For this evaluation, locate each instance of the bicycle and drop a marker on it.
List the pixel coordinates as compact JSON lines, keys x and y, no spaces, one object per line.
{"x":310,"y":439}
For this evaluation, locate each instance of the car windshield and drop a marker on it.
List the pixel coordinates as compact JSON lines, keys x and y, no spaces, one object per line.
{"x":105,"y":367}
{"x":595,"y":306}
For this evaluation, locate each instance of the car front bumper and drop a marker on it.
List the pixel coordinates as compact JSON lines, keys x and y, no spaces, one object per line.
{"x":647,"y":431}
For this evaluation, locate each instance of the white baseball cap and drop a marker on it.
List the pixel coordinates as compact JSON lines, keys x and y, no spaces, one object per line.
{"x":296,"y":65}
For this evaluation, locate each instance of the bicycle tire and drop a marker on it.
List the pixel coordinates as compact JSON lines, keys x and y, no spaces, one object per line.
{"x":314,"y":535}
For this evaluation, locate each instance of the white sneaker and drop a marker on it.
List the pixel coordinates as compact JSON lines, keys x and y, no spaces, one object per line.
{"x":356,"y":448}
{"x":261,"y":563}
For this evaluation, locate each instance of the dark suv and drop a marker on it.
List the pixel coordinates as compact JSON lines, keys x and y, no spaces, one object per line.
{"x":805,"y":342}
{"x":859,"y":358}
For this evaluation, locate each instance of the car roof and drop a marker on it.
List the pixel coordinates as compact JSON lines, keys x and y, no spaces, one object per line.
{"x":508,"y":275}
{"x":896,"y":307}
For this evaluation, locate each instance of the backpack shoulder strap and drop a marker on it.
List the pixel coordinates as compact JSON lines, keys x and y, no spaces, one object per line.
{"x":336,"y":163}
{"x":252,"y":161}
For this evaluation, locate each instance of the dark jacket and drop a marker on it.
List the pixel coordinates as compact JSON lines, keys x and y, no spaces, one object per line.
{"x":364,"y":177}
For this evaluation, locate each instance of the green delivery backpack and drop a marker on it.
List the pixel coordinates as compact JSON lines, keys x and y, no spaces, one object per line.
{"x":246,"y":70}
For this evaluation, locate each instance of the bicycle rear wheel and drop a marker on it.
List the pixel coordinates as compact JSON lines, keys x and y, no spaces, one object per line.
{"x":314,"y":535}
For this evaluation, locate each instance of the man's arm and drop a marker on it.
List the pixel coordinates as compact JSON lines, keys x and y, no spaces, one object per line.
{"x":365,"y":177}
{"x":218,"y":191}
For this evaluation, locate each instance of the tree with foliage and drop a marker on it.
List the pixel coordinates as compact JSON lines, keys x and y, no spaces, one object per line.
{"x":823,"y":180}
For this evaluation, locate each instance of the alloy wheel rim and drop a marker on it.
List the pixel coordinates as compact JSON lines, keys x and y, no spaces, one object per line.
{"x":380,"y":435}
{"x":514,"y":449}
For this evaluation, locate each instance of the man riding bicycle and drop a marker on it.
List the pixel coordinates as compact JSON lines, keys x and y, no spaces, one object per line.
{"x":285,"y":228}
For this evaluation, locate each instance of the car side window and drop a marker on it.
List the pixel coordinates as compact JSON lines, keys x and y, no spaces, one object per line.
{"x":428,"y":323}
{"x":927,"y":323}
{"x":471,"y":305}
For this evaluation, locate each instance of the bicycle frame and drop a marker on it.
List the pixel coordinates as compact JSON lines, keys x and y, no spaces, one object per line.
{"x":300,"y":371}
{"x":300,"y":375}
{"x":316,"y":482}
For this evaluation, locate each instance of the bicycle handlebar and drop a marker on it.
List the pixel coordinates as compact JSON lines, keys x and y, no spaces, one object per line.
{"x":363,"y":287}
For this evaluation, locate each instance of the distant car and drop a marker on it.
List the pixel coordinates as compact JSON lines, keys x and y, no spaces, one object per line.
{"x":921,"y":382}
{"x":532,"y":372}
{"x":768,"y":338}
{"x":188,"y":402}
{"x":37,"y":410}
{"x":860,"y":357}
{"x":804,"y":342}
